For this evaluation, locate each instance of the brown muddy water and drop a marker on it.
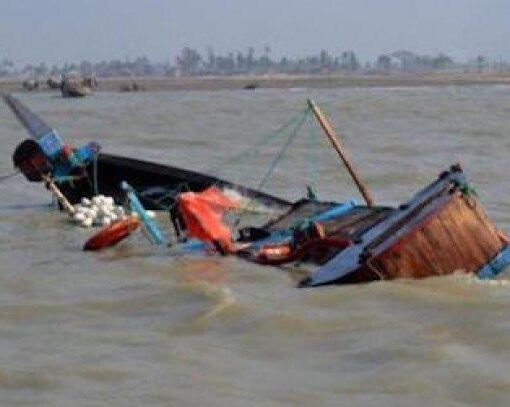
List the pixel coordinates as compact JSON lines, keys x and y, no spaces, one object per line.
{"x":135,"y":326}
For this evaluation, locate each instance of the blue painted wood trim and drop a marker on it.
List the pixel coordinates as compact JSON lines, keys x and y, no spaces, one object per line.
{"x":149,"y":224}
{"x":496,"y":265}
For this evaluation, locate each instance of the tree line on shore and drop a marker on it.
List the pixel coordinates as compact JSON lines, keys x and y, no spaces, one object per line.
{"x":191,"y":62}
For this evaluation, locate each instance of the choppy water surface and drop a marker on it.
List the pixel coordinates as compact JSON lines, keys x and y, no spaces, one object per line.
{"x":134,"y":326}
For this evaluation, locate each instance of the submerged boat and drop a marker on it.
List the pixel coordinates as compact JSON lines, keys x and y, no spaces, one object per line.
{"x":84,"y":172}
{"x":441,"y":230}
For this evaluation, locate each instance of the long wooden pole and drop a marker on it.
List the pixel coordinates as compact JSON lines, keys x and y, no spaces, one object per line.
{"x":57,"y":194}
{"x":328,"y":129}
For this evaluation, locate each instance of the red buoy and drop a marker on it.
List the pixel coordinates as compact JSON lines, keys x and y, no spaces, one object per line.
{"x":112,"y":234}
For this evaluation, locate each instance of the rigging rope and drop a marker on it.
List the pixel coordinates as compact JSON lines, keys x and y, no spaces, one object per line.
{"x":313,"y":161}
{"x":295,"y":123}
{"x":241,"y":157}
{"x":96,"y":189}
{"x":274,"y":163}
{"x":277,"y":159}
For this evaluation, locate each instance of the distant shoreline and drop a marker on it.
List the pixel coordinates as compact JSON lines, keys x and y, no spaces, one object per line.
{"x":164,"y":83}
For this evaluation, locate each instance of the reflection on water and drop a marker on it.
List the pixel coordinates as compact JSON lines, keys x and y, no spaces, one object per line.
{"x":136,"y":326}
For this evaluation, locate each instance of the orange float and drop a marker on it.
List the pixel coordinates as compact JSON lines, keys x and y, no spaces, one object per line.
{"x":112,"y":234}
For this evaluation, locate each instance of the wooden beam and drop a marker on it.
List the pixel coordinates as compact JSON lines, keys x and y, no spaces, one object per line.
{"x":57,"y":194}
{"x":335,"y":142}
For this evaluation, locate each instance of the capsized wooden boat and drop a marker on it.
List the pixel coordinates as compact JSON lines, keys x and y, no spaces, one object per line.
{"x":156,"y":185}
{"x":443,"y":229}
{"x":310,"y":232}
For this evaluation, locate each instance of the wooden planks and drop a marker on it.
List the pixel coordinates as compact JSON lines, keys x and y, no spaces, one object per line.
{"x":457,"y":236}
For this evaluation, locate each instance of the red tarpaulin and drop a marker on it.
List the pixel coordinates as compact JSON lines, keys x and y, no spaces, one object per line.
{"x":203,"y":215}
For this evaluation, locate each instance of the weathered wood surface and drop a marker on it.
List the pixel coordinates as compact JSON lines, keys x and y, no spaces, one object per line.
{"x":455,"y":237}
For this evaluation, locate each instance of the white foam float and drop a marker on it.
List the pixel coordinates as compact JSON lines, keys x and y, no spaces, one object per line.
{"x":100,"y":210}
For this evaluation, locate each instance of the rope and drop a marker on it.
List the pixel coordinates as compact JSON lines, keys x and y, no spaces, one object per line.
{"x":296,"y":121}
{"x":6,"y":177}
{"x":264,"y":140}
{"x":96,"y":189}
{"x":277,"y":159}
{"x":313,"y":161}
{"x":274,"y":163}
{"x":294,"y":124}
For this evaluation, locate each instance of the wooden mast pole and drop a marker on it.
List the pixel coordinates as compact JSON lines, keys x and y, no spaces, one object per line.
{"x":328,"y":129}
{"x":57,"y":194}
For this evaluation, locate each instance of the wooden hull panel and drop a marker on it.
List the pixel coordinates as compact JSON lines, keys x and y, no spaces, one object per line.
{"x":443,"y":229}
{"x":456,"y":238}
{"x":157,"y":184}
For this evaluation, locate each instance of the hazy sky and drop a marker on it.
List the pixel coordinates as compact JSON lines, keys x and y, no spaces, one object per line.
{"x":55,"y":31}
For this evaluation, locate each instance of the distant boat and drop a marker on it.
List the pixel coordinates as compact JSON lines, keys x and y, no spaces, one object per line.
{"x":251,"y":86}
{"x":132,"y":87}
{"x":31,"y":84}
{"x":89,"y":82}
{"x":73,"y":88}
{"x":54,"y":83}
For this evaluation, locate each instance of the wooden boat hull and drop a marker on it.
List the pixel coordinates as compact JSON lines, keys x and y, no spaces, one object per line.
{"x":157,"y":185}
{"x":458,"y":236}
{"x":443,"y":230}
